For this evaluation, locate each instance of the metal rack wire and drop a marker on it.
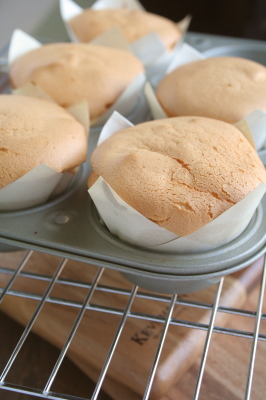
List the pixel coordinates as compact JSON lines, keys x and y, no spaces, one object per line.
{"x":125,"y":313}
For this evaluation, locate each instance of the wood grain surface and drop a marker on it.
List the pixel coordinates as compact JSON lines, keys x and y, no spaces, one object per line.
{"x":130,"y":367}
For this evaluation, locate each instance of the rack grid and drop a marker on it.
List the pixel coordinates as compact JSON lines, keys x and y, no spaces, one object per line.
{"x":12,"y":275}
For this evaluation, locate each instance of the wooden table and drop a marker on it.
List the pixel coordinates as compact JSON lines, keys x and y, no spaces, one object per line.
{"x":224,"y":377}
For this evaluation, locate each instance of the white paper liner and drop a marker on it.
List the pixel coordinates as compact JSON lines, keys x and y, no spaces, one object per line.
{"x":42,"y":182}
{"x":80,"y":112}
{"x":112,"y":38}
{"x":32,"y":90}
{"x":132,"y":4}
{"x":114,"y":124}
{"x":244,"y":128}
{"x":150,"y":49}
{"x":184,"y":55}
{"x":32,"y":189}
{"x":257,"y":125}
{"x":157,"y":111}
{"x":256,"y":120}
{"x":132,"y":227}
{"x":22,"y":43}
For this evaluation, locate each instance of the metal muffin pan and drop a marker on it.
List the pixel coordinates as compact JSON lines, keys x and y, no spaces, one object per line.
{"x":255,"y":52}
{"x":216,"y":46}
{"x":69,"y":226}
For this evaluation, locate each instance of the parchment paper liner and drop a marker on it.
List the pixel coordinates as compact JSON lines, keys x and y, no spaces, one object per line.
{"x":149,"y":49}
{"x":21,"y":43}
{"x":132,"y":227}
{"x":42,"y":182}
{"x":255,"y":122}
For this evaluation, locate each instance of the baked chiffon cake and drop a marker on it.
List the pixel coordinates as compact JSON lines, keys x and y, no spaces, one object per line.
{"x":35,"y":131}
{"x":134,"y":24}
{"x":225,"y":88}
{"x":71,"y":72}
{"x":180,"y":172}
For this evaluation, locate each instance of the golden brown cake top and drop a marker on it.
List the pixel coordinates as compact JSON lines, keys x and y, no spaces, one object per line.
{"x":71,"y":72}
{"x":225,"y":88}
{"x":35,"y":131}
{"x":134,"y":24}
{"x":181,"y":172}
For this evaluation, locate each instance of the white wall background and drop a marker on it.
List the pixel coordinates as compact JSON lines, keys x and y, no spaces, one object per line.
{"x":23,"y":14}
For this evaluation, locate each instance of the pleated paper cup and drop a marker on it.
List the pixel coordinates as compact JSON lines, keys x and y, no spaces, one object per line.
{"x":132,"y":227}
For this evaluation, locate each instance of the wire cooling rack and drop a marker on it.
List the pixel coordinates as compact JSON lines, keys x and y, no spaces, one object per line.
{"x":12,"y":275}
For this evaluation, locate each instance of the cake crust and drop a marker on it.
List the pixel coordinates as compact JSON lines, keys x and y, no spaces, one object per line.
{"x":225,"y":88}
{"x":35,"y":131}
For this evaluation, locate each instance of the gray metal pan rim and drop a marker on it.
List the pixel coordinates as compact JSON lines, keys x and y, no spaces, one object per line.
{"x":186,"y":266}
{"x":248,"y":50}
{"x":94,"y":242}
{"x":147,"y":274}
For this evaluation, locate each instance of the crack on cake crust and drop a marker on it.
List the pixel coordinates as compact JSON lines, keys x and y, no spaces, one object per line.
{"x":182,"y":163}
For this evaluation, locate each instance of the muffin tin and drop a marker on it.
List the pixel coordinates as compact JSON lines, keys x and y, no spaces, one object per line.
{"x":69,"y":225}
